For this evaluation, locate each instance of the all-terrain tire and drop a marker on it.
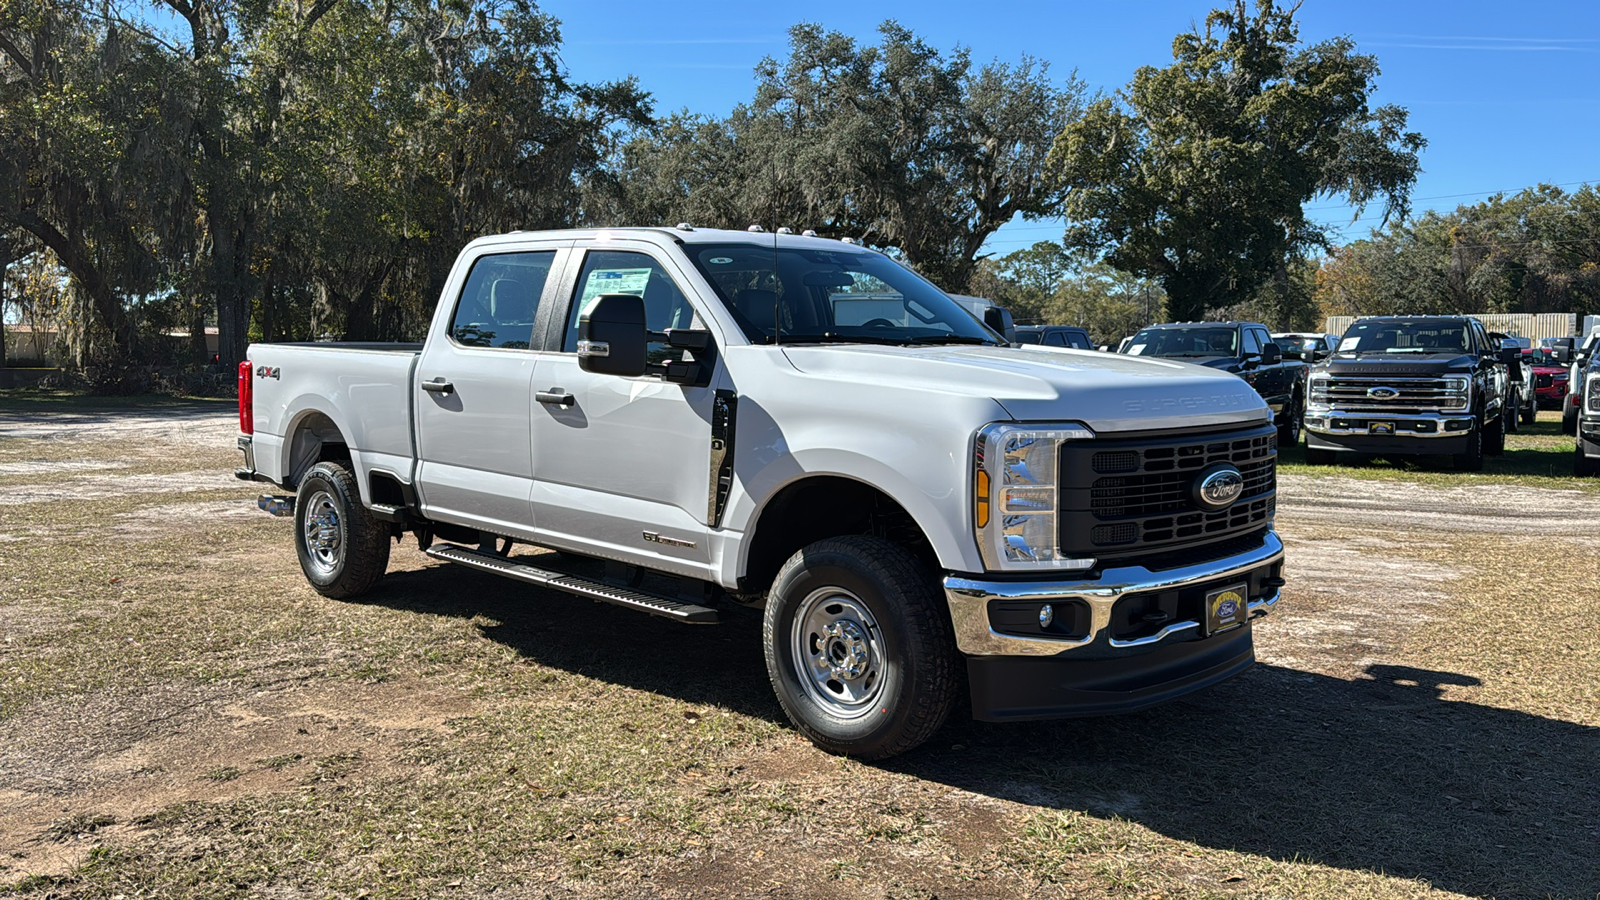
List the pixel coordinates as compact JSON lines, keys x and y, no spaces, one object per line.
{"x":1530,"y":411}
{"x":859,"y":647}
{"x":1494,"y":442}
{"x":1569,"y":424}
{"x":1584,"y":466}
{"x":343,"y":549}
{"x":1471,"y":460}
{"x":1293,"y":419}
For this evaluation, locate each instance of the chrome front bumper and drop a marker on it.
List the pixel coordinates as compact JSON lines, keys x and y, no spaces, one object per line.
{"x":969,"y":601}
{"x":1404,"y":426}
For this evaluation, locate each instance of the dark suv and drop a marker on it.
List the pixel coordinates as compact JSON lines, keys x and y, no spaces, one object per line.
{"x":1243,"y":348}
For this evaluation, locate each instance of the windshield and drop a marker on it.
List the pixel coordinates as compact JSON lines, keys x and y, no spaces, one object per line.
{"x":793,"y":295}
{"x":1406,"y":337}
{"x":1185,"y":342}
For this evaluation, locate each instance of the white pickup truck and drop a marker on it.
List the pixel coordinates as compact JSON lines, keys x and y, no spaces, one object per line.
{"x":698,"y":418}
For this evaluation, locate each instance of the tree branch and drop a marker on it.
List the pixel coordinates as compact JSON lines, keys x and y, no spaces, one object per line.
{"x":17,"y":56}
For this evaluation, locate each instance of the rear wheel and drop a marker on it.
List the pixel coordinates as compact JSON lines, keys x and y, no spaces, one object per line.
{"x":343,"y":549}
{"x":1471,"y":459}
{"x":1569,"y":418}
{"x":858,"y":647}
{"x":1530,"y":409}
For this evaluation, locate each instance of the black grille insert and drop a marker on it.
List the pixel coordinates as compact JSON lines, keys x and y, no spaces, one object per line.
{"x":1125,"y":498}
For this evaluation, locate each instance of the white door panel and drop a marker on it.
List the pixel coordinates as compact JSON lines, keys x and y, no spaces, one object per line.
{"x":630,"y":456}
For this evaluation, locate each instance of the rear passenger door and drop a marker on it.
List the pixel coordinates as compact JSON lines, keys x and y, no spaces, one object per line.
{"x":474,"y":397}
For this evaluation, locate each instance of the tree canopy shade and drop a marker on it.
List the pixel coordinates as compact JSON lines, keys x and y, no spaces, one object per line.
{"x":1197,"y":174}
{"x":898,"y":144}
{"x":286,"y":168}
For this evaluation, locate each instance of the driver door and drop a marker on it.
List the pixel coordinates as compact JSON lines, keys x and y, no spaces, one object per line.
{"x":623,"y":465}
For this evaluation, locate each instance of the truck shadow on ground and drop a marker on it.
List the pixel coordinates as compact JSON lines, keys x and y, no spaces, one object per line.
{"x":1378,"y":773}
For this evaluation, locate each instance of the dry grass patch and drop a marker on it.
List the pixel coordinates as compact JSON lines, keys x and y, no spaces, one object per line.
{"x":168,"y":673}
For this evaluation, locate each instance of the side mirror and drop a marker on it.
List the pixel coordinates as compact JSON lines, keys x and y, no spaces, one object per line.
{"x":1271,"y":355}
{"x":998,"y":318}
{"x":1512,"y":357}
{"x":611,"y":336}
{"x":1562,"y":354}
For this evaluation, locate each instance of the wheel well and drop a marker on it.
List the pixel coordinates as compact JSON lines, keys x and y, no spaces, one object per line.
{"x":822,"y":507}
{"x":316,"y":439}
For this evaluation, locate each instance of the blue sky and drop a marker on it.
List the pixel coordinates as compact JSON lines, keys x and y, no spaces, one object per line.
{"x":1507,"y":94}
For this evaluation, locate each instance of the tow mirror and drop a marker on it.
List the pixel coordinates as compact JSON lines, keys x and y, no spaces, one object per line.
{"x":611,"y":336}
{"x":1512,"y":357}
{"x":998,"y":318}
{"x":1271,"y":355}
{"x":1562,"y":354}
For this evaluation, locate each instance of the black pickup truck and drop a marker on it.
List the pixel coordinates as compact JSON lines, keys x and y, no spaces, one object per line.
{"x":1243,"y":348}
{"x":1413,"y":385}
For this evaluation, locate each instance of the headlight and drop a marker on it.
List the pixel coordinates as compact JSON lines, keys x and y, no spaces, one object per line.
{"x":1458,"y":392}
{"x":1591,"y":392}
{"x":1317,"y":397}
{"x":1014,"y":496}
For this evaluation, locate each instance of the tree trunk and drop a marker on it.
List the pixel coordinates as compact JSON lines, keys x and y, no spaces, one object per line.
{"x":78,"y":261}
{"x":5,"y":267}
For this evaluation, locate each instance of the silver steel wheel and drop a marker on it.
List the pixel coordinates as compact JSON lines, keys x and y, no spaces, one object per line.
{"x":324,"y":533}
{"x":837,"y":650}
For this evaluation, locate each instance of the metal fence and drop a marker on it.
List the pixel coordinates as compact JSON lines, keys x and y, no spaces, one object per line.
{"x":1528,"y":325}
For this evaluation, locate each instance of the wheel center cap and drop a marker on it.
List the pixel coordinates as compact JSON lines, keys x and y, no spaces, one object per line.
{"x":845,"y":650}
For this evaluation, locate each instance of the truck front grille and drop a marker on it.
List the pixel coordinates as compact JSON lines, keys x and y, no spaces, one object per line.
{"x":1384,"y":394}
{"x":1543,"y":380}
{"x":1122,"y":498}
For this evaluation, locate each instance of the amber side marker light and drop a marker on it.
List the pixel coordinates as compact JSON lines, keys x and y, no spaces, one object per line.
{"x":983,"y":498}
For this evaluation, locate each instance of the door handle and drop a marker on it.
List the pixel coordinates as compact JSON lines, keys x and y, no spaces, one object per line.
{"x":438,"y":386}
{"x":557,"y":397}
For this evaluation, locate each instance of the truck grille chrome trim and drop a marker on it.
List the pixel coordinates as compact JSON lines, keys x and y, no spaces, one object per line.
{"x":969,"y":598}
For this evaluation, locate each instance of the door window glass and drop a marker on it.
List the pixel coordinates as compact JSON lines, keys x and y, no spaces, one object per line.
{"x":1252,"y":344}
{"x":622,"y":272}
{"x":498,"y":304}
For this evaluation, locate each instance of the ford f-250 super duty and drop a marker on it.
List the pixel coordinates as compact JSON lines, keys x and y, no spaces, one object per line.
{"x":1409,"y":385}
{"x":801,"y":425}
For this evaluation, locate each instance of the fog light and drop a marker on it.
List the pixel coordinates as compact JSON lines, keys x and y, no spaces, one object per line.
{"x":1047,"y":615}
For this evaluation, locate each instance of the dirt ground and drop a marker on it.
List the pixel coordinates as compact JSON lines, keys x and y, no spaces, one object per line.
{"x":181,"y":716}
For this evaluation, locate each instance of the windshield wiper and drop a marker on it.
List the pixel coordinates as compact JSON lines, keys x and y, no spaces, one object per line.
{"x":950,"y":339}
{"x":833,"y":337}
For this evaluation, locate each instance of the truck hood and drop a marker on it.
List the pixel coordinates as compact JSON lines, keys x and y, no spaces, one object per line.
{"x":1106,"y":391}
{"x":1409,"y":364}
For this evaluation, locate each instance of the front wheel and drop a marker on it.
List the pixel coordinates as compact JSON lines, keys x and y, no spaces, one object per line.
{"x":1471,"y":460}
{"x":1494,"y":443}
{"x":1293,"y":417}
{"x":1582,"y":465}
{"x":858,"y":648}
{"x":343,"y":549}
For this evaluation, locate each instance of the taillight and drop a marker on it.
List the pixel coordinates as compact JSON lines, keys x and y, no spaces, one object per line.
{"x":247,"y":419}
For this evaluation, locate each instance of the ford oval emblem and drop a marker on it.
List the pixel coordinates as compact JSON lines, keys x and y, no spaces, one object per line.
{"x":1217,"y":487}
{"x":1383,"y":393}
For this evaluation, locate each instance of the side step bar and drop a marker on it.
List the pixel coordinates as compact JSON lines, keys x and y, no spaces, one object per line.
{"x":653,"y":604}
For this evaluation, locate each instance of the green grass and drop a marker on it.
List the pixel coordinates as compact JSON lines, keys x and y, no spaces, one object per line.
{"x":1539,"y":455}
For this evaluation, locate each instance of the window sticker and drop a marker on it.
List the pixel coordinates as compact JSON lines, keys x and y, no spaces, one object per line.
{"x":720,"y":260}
{"x":1348,"y":344}
{"x":1136,"y":349}
{"x":614,"y":281}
